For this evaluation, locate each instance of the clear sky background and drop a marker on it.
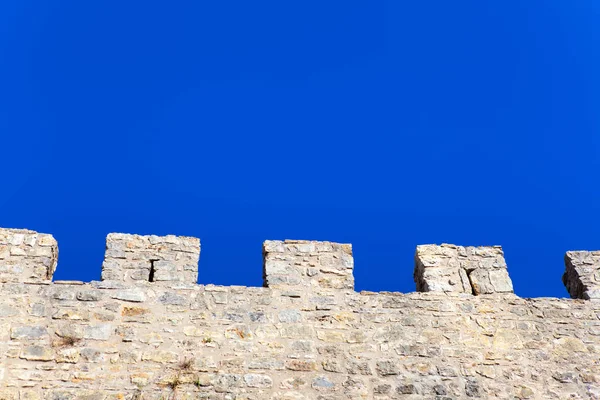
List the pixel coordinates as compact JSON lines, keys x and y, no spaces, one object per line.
{"x":383,"y":124}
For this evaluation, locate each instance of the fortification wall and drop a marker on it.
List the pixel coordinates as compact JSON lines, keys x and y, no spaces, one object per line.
{"x":148,"y":331}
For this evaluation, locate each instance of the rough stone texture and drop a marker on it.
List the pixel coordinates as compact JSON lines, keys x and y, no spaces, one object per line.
{"x":307,"y":265}
{"x":166,"y":340}
{"x":131,"y":258}
{"x":450,"y":268}
{"x":582,"y":274}
{"x":26,"y":255}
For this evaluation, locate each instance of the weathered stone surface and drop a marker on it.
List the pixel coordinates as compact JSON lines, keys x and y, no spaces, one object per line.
{"x":472,"y":270}
{"x":290,"y":316}
{"x":307,"y":265}
{"x":258,"y":381}
{"x":133,"y":295}
{"x":29,"y":332}
{"x":313,"y":337}
{"x":88,"y":295}
{"x":37,"y":353}
{"x":7,"y":311}
{"x":68,"y":355}
{"x":582,"y":274}
{"x":98,"y":332}
{"x":157,"y":259}
{"x":27,"y":255}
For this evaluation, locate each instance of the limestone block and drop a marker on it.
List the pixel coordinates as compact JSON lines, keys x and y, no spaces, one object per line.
{"x":28,"y":332}
{"x":487,"y":281}
{"x":37,"y":353}
{"x":258,"y":381}
{"x":451,"y":268}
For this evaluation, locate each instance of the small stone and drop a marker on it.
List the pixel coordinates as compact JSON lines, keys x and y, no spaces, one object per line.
{"x":170,"y":298}
{"x":525,"y":392}
{"x":71,"y":314}
{"x":220,"y":297}
{"x":565,"y":377}
{"x":265,"y":363}
{"x":140,"y":378}
{"x":301,"y":365}
{"x":37,"y":353}
{"x":382,"y":389}
{"x":132,"y":295}
{"x":332,"y":366}
{"x":67,"y":356}
{"x":406,"y":389}
{"x":98,"y":332}
{"x":29,"y":332}
{"x":6,"y":311}
{"x":92,"y":355}
{"x":440,"y":390}
{"x":30,"y":395}
{"x":472,"y":388}
{"x":88,"y":295}
{"x":290,"y":316}
{"x":160,"y":356}
{"x":259,"y":317}
{"x":134,"y":311}
{"x":387,"y":367}
{"x":322,"y":383}
{"x":258,"y":381}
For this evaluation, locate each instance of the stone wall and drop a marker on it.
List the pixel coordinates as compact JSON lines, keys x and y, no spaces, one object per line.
{"x":306,"y":335}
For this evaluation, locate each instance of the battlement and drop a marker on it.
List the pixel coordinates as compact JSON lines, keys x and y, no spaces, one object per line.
{"x":134,"y":258}
{"x":27,"y":255}
{"x":301,"y":265}
{"x":148,"y":331}
{"x":306,"y":265}
{"x":472,"y":270}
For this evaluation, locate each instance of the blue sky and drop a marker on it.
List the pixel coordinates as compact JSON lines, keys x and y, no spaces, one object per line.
{"x":383,"y":124}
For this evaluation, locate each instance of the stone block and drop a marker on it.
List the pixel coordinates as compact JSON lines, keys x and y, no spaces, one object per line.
{"x":37,"y":353}
{"x":29,"y":333}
